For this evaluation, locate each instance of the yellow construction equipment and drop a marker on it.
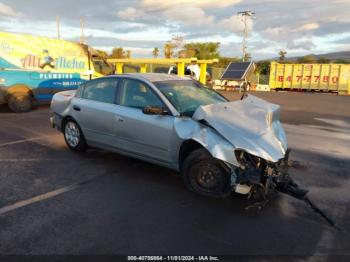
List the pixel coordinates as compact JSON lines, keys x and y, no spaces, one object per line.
{"x":317,"y":77}
{"x":180,"y":63}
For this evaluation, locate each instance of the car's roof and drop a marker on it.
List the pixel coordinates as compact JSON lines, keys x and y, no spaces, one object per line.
{"x":156,"y":77}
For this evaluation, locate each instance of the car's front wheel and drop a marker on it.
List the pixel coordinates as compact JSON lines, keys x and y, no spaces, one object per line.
{"x":74,"y":136}
{"x":206,"y":175}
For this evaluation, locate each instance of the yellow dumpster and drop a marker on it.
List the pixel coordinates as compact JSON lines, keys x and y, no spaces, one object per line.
{"x":317,"y":77}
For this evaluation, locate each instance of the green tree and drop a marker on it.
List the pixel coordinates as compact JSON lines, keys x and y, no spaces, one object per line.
{"x":263,"y":67}
{"x":118,"y":53}
{"x":323,"y":60}
{"x":155,"y":52}
{"x":341,"y":61}
{"x":308,"y":59}
{"x":202,"y":50}
{"x":128,"y":54}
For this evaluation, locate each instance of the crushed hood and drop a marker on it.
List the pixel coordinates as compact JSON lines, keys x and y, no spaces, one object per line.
{"x":251,"y":124}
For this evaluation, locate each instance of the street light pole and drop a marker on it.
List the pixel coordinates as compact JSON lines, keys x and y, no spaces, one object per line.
{"x":245,"y":15}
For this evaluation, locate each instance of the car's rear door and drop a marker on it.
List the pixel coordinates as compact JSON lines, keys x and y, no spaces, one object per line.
{"x":94,"y":109}
{"x":137,"y":133}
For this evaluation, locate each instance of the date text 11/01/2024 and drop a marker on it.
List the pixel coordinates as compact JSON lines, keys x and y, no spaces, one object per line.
{"x":173,"y":258}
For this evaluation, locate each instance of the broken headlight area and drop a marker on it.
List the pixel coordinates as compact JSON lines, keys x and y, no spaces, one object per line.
{"x":258,"y":177}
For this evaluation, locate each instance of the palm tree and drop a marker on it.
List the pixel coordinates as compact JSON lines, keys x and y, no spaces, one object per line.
{"x":155,"y":52}
{"x":168,"y":50}
{"x":282,"y":55}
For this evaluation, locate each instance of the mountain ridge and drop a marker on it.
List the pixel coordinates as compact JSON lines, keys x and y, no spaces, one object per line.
{"x":345,"y":55}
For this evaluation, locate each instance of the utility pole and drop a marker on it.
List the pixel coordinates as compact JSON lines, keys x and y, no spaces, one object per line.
{"x":58,"y":24}
{"x":82,"y":24}
{"x":245,"y":15}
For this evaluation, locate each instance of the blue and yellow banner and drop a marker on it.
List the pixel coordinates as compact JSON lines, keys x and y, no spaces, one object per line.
{"x":22,"y":51}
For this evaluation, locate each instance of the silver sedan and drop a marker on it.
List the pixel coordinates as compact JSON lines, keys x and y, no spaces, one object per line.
{"x":218,"y":146}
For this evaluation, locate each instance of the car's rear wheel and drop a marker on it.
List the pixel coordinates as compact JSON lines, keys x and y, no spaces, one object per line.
{"x":74,"y":136}
{"x":206,"y":175}
{"x":20,"y":102}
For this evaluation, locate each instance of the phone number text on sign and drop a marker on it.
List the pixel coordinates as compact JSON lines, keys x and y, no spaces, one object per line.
{"x":315,"y":79}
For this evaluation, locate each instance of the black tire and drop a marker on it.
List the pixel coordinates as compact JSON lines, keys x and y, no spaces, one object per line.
{"x":206,"y":175}
{"x":20,"y":102}
{"x":73,"y":136}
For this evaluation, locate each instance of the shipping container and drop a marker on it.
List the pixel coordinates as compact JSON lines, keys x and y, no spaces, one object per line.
{"x":315,"y":77}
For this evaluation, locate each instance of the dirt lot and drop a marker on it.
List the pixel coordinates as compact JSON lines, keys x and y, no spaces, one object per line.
{"x":53,"y":201}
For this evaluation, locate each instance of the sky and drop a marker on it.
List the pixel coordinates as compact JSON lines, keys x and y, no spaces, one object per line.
{"x":298,"y":27}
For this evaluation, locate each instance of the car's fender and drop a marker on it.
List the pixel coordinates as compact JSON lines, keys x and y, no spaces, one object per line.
{"x":220,"y":148}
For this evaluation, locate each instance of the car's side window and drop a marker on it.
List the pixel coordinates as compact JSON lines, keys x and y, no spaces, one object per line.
{"x":137,"y":94}
{"x":103,"y":90}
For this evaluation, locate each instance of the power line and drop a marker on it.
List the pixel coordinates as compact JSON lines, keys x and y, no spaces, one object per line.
{"x":58,"y":24}
{"x":82,"y":36}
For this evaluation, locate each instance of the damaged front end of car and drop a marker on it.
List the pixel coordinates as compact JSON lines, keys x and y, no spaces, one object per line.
{"x":259,"y":155}
{"x":259,"y":178}
{"x":260,"y":160}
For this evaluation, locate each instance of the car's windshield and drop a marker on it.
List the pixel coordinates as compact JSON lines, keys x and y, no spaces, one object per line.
{"x":187,"y":95}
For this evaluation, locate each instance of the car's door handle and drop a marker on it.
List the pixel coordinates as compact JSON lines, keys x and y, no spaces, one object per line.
{"x":119,"y":119}
{"x":76,"y":108}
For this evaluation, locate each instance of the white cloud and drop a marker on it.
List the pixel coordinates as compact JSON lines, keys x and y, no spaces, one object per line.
{"x":273,"y":32}
{"x":7,"y":10}
{"x":131,"y":25}
{"x":308,"y":27}
{"x":306,"y":44}
{"x":130,"y":14}
{"x":190,"y":16}
{"x":236,"y":24}
{"x":163,"y":4}
{"x":70,"y":31}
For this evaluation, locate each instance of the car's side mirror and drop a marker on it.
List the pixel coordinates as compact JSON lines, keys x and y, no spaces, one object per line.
{"x":154,"y":110}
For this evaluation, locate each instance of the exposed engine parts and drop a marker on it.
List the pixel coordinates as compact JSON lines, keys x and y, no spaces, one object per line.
{"x":263,"y":178}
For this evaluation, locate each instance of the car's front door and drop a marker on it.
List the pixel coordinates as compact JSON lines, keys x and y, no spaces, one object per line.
{"x":94,"y":110}
{"x":138,"y":133}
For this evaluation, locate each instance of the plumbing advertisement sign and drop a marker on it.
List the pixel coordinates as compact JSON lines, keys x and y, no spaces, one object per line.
{"x":22,"y":51}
